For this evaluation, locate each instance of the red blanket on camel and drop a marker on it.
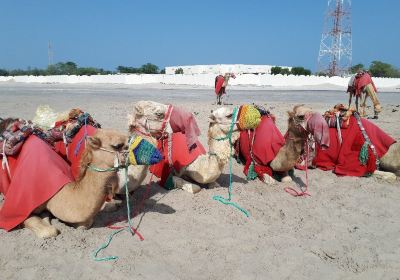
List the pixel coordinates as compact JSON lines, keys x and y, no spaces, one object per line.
{"x":343,"y":158}
{"x":267,"y":142}
{"x":37,"y":174}
{"x":181,"y":156}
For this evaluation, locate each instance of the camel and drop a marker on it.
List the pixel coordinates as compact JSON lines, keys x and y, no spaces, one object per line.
{"x":148,"y":118}
{"x":388,"y":165}
{"x":221,"y":82}
{"x":45,"y":117}
{"x":77,"y":202}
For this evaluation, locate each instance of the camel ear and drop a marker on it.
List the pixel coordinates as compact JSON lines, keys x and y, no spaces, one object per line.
{"x":94,"y":142}
{"x":139,"y":110}
{"x":290,"y":114}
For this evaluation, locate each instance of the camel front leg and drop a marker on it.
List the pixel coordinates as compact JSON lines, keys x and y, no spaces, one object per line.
{"x":111,"y":206}
{"x":41,"y":227}
{"x":350,"y":99}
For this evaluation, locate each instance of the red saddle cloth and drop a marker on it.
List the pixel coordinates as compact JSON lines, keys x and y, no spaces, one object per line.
{"x":343,"y":158}
{"x":181,"y":156}
{"x":75,"y":148}
{"x":37,"y":174}
{"x":219,"y":81}
{"x":267,"y":143}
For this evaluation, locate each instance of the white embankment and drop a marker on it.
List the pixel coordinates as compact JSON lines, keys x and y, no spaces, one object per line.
{"x":260,"y":80}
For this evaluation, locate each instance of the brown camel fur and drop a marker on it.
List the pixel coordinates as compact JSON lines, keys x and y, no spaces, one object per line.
{"x":78,"y":202}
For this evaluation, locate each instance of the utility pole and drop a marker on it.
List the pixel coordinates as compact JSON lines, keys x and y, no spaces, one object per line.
{"x":335,"y":51}
{"x":50,"y":54}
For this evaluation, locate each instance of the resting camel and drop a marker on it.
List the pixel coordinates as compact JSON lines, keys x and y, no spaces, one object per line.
{"x":357,"y":148}
{"x":75,"y":201}
{"x":148,"y":118}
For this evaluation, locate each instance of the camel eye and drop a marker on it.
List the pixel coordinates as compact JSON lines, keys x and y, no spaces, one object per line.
{"x":160,"y":115}
{"x":229,"y":116}
{"x":118,"y":146}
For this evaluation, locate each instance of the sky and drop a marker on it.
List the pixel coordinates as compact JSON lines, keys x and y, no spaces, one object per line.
{"x":106,"y":34}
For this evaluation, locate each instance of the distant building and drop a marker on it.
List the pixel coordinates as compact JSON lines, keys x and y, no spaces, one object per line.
{"x":222,"y":68}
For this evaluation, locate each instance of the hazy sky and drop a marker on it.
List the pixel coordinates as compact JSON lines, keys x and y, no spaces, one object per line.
{"x":106,"y":34}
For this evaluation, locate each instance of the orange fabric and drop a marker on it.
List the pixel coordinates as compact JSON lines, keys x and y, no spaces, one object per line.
{"x":37,"y":174}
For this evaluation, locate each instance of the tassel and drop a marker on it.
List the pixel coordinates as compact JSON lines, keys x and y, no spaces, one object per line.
{"x":169,"y":183}
{"x":363,"y":156}
{"x":251,"y":174}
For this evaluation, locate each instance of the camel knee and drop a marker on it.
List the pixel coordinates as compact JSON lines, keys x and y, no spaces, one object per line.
{"x":286,"y":179}
{"x":42,"y":228}
{"x":180,"y":183}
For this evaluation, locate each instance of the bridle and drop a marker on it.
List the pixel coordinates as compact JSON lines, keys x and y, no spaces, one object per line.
{"x":162,"y":131}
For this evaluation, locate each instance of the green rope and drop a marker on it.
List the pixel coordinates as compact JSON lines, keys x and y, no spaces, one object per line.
{"x":363,"y":156}
{"x":251,"y":173}
{"x":104,"y":246}
{"x":227,"y":201}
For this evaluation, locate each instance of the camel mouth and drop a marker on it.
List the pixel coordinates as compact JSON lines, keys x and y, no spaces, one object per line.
{"x":142,"y":152}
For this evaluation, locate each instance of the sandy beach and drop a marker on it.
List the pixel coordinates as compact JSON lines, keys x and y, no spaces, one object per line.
{"x":348,"y":229}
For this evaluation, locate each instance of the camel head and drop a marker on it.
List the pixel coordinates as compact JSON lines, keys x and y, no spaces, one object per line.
{"x":221,"y":122}
{"x":148,"y":118}
{"x":110,"y":149}
{"x":303,"y":122}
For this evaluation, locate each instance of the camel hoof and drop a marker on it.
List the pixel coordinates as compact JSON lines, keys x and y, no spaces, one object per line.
{"x":286,"y":179}
{"x":268,"y":180}
{"x":386,"y":176}
{"x":112,"y":206}
{"x":48,"y":232}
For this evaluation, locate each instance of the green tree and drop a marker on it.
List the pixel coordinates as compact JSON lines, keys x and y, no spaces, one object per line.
{"x":179,"y":71}
{"x":276,"y":70}
{"x":285,"y":71}
{"x":162,"y":71}
{"x":356,"y":67}
{"x":3,"y":72}
{"x":149,"y":68}
{"x":381,"y":69}
{"x":300,"y":71}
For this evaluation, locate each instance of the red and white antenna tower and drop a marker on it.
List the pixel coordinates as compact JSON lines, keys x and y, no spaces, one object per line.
{"x":335,"y":49}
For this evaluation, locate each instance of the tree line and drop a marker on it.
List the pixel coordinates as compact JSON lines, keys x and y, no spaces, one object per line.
{"x":298,"y":70}
{"x":377,"y":69}
{"x":71,"y":68}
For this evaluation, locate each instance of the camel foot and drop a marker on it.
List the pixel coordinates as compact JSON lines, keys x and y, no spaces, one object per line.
{"x":84,"y":225}
{"x":180,"y":183}
{"x":213,"y":185}
{"x":286,"y":179}
{"x":268,"y":180}
{"x":111,"y":206}
{"x":386,"y":176}
{"x":41,"y":227}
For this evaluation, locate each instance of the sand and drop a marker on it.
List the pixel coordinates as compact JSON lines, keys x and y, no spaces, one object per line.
{"x":348,"y":229}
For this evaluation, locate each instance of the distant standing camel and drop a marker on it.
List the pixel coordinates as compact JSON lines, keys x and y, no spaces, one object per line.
{"x":221,"y":83}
